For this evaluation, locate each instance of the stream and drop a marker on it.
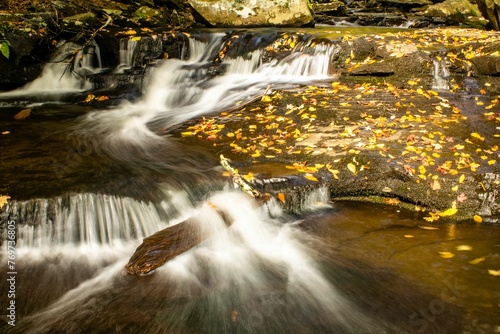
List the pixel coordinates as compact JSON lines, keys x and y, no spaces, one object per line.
{"x":88,"y":185}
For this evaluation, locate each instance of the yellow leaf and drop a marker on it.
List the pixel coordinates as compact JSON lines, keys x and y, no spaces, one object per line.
{"x":492,"y":162}
{"x":3,"y":200}
{"x":448,"y":212}
{"x":266,"y":98}
{"x":6,"y":132}
{"x":446,"y":255}
{"x":249,"y":177}
{"x":478,"y":260}
{"x":311,"y":177}
{"x":429,"y":228}
{"x":136,"y":38}
{"x":351,"y":167}
{"x":477,"y":136}
{"x":461,"y":179}
{"x":464,"y":248}
{"x":187,"y":134}
{"x":89,"y":98}
{"x":494,"y":272}
{"x":409,"y":236}
{"x":478,"y":219}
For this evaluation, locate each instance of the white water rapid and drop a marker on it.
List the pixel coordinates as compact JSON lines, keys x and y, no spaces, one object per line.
{"x":260,"y":275}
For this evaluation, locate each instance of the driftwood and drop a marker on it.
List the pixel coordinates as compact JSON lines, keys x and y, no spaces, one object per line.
{"x":168,"y":243}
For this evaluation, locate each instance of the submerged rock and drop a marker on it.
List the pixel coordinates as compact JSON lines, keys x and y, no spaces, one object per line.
{"x":294,"y":13}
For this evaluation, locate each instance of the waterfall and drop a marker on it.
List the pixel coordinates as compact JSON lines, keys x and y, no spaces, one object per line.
{"x":65,"y":72}
{"x":441,"y":75}
{"x":88,"y":220}
{"x":259,"y":269}
{"x":126,"y":54}
{"x":177,"y":90}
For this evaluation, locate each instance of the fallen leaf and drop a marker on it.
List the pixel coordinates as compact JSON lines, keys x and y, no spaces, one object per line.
{"x":281,"y":197}
{"x":446,"y":255}
{"x":494,"y":272}
{"x":478,"y":260}
{"x":351,"y":167}
{"x":3,"y":200}
{"x":461,"y":198}
{"x":430,"y":228}
{"x":478,"y":219}
{"x":23,"y":114}
{"x":464,"y":248}
{"x":311,"y":177}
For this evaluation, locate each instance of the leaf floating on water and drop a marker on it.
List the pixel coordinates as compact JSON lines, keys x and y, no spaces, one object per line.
{"x":478,"y":260}
{"x":23,"y":114}
{"x":494,"y":272}
{"x":464,"y":248}
{"x":281,"y":197}
{"x":6,"y":132}
{"x":446,"y":255}
{"x":430,"y":228}
{"x":478,"y":219}
{"x":409,"y":236}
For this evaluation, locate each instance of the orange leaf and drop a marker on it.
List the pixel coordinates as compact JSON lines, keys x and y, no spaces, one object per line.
{"x":281,"y":197}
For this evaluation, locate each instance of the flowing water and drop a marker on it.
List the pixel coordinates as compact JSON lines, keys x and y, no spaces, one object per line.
{"x":98,"y":181}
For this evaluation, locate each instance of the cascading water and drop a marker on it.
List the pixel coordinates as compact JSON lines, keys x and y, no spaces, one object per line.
{"x":126,"y":53}
{"x":257,"y":276}
{"x":441,"y":75}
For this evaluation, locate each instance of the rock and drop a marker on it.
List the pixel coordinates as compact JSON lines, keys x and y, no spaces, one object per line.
{"x":225,"y":13}
{"x":150,"y":17}
{"x":79,"y":21}
{"x":378,"y":69}
{"x":487,"y":65}
{"x":459,"y":11}
{"x":490,"y":10}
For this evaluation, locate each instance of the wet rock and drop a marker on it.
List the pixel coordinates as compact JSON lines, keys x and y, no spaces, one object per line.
{"x":458,"y":11}
{"x":487,"y":65}
{"x":294,"y":13}
{"x":81,"y":21}
{"x":149,"y":17}
{"x":490,"y":10}
{"x":378,"y":69}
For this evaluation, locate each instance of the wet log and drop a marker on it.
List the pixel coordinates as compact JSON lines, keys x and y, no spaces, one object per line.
{"x":168,"y":243}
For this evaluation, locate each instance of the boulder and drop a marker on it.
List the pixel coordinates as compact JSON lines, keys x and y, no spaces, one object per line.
{"x":459,"y":11}
{"x":149,"y":17}
{"x":253,"y":13}
{"x":490,"y":10}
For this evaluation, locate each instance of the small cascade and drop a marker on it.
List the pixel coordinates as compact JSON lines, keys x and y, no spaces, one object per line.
{"x":126,"y":53}
{"x":83,"y":220}
{"x":65,"y":72}
{"x":441,"y":75}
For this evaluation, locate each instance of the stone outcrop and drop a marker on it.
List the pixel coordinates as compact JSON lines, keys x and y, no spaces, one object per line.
{"x":490,"y":10}
{"x":250,"y":13}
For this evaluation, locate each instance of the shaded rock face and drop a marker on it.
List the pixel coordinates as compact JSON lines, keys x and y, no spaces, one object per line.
{"x":490,"y":10}
{"x":226,"y":13}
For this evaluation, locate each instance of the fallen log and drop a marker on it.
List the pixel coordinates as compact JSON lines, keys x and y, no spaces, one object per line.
{"x":168,"y":243}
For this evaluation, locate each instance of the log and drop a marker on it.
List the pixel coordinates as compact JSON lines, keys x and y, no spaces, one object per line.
{"x":168,"y":243}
